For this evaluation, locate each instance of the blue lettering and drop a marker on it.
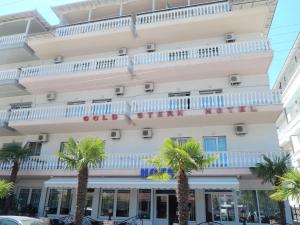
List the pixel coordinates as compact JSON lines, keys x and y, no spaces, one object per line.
{"x":144,"y":172}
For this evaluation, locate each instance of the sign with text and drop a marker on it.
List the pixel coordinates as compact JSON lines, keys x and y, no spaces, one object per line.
{"x":146,"y":172}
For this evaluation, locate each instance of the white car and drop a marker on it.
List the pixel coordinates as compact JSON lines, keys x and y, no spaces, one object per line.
{"x":19,"y":220}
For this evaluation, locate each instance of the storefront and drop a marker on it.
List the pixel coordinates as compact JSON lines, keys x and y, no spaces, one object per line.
{"x":211,"y":199}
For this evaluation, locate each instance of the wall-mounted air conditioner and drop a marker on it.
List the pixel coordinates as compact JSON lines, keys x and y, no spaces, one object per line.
{"x":240,"y":129}
{"x":147,"y":133}
{"x":115,"y":134}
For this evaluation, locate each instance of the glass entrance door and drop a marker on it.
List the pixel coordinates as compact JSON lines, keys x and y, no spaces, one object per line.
{"x":166,"y":209}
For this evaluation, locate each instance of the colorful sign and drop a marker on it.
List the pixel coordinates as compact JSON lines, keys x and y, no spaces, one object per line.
{"x":145,"y":172}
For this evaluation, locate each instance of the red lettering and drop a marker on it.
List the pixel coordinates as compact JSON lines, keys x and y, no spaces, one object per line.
{"x":170,"y":114}
{"x":242,"y":109}
{"x":86,"y":118}
{"x":160,"y":114}
{"x":104,"y":117}
{"x":95,"y":118}
{"x":179,"y":113}
{"x":219,"y":110}
{"x":114,"y":116}
{"x":140,"y":115}
{"x":150,"y":114}
{"x":230,"y":109}
{"x":253,"y":109}
{"x":208,"y":111}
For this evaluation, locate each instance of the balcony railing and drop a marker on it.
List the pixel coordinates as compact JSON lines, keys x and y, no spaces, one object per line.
{"x":76,"y":67}
{"x":69,"y":111}
{"x":12,"y":40}
{"x":4,"y":115}
{"x":9,"y":75}
{"x":206,"y":101}
{"x":99,"y":26}
{"x":230,"y":159}
{"x":183,"y":13}
{"x":220,"y":50}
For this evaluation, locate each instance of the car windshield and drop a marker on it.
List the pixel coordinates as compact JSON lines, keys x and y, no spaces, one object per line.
{"x":32,"y":222}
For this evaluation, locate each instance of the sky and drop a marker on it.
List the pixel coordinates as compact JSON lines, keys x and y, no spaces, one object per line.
{"x":285,"y":26}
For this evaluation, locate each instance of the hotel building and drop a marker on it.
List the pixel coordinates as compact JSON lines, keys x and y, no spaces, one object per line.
{"x":288,"y":123}
{"x":134,"y":73}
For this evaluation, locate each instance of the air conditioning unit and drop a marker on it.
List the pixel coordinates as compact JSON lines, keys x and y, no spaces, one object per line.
{"x":119,"y":90}
{"x":230,"y":37}
{"x":235,"y":79}
{"x":240,"y":129}
{"x":150,"y":47}
{"x":51,"y":96}
{"x":147,"y":133}
{"x":149,"y":87}
{"x":115,"y":134}
{"x":122,"y":51}
{"x":42,"y":137}
{"x":58,"y":59}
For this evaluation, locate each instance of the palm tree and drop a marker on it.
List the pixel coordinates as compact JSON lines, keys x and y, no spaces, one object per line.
{"x":289,"y":187}
{"x":5,"y":188}
{"x":13,"y":153}
{"x":79,"y":156}
{"x":269,"y":171}
{"x":182,"y":158}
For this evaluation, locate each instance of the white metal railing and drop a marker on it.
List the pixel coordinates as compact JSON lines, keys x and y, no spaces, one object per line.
{"x":99,"y":26}
{"x":4,"y":115}
{"x":9,"y":74}
{"x":12,"y":40}
{"x":217,"y":50}
{"x":226,"y":159}
{"x":183,"y":13}
{"x":75,"y":67}
{"x":69,"y":111}
{"x":206,"y":101}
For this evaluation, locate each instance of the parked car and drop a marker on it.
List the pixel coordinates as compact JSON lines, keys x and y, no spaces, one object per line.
{"x":19,"y":220}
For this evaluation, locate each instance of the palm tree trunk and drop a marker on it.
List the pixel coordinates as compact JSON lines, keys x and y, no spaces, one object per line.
{"x":182,"y":192}
{"x":81,"y":194}
{"x":12,"y":179}
{"x":282,"y":213}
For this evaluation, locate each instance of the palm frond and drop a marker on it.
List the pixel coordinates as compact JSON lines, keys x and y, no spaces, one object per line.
{"x":160,"y":177}
{"x":5,"y":188}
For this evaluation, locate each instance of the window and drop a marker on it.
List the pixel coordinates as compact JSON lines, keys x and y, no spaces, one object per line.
{"x":144,"y":203}
{"x":35,"y":148}
{"x":181,"y":140}
{"x":102,"y":107}
{"x":35,"y":199}
{"x":53,"y":200}
{"x":214,"y":144}
{"x":62,"y":146}
{"x":29,"y":198}
{"x":178,"y":102}
{"x":192,"y":206}
{"x":161,"y":208}
{"x":23,"y":199}
{"x":123,"y":203}
{"x":220,"y":207}
{"x":75,"y":109}
{"x":107,"y":202}
{"x":247,"y":206}
{"x":66,"y":202}
{"x":89,"y":202}
{"x":211,"y":98}
{"x":269,"y":211}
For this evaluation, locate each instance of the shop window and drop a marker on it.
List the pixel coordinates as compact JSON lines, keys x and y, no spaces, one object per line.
{"x":161,"y":208}
{"x":192,"y":206}
{"x":123,"y":203}
{"x":89,"y":202}
{"x":23,"y":199}
{"x":220,"y":207}
{"x":53,"y":200}
{"x":269,"y":211}
{"x":144,"y":204}
{"x":247,"y":206}
{"x":107,"y":202}
{"x":66,"y":202}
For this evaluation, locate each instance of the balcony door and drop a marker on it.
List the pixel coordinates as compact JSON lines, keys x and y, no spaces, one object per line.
{"x":178,"y":103}
{"x":75,"y":109}
{"x":212,"y":98}
{"x":216,"y":144}
{"x":101,"y":107}
{"x":22,"y":105}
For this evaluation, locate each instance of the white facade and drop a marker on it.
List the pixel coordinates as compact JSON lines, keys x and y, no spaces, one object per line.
{"x":199,"y":84}
{"x":288,"y":123}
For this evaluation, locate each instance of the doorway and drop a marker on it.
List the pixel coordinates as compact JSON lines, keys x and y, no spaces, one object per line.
{"x":166,"y":209}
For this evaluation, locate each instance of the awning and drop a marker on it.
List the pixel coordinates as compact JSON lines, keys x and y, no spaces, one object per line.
{"x":143,"y":183}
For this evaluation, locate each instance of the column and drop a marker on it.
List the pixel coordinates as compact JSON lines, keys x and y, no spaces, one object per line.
{"x":236,"y":211}
{"x":288,"y":213}
{"x":153,"y":5}
{"x":28,"y":26}
{"x":96,"y":202}
{"x":133,"y":202}
{"x":42,"y":203}
{"x":90,"y":15}
{"x":200,"y":205}
{"x":74,"y":199}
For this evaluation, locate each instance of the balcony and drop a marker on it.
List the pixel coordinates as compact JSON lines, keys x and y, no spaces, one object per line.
{"x":69,"y":118}
{"x":85,"y":38}
{"x":14,"y":48}
{"x":4,"y":129}
{"x":9,"y":83}
{"x":201,"y":21}
{"x":75,"y":76}
{"x":123,"y":164}
{"x":218,"y":109}
{"x":216,"y":60}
